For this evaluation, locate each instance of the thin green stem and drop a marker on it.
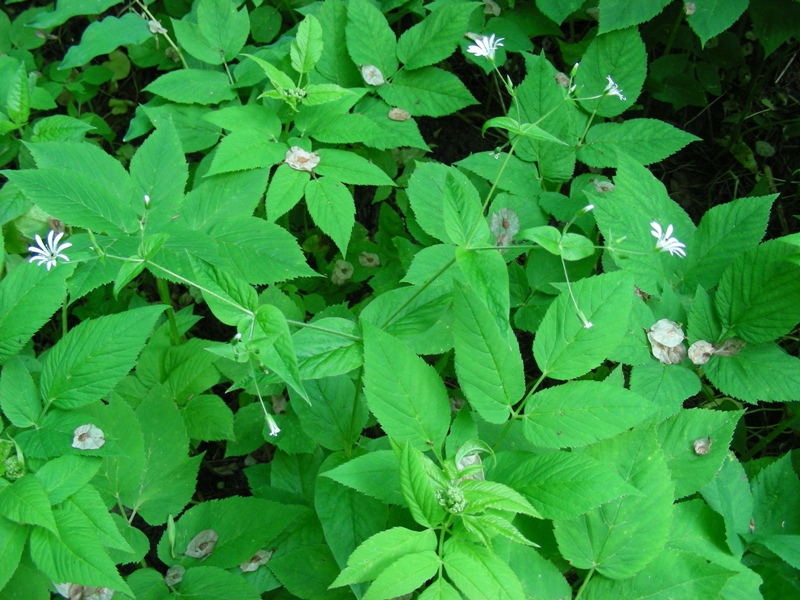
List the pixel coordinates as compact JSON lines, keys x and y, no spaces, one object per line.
{"x":163,"y":293}
{"x":766,"y":440}
{"x":354,"y":338}
{"x":64,"y":327}
{"x":166,"y":36}
{"x":583,"y":585}
{"x":354,"y":412}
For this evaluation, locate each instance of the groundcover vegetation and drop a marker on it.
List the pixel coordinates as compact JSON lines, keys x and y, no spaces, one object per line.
{"x":390,"y":299}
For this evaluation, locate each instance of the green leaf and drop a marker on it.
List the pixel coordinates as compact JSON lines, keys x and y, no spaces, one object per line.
{"x":578,"y":413}
{"x":224,"y":292}
{"x":376,"y":474}
{"x":223,"y":197}
{"x":724,"y":233}
{"x":383,"y":549}
{"x":619,"y":15}
{"x":677,"y":435}
{"x":65,"y":475}
{"x":756,"y":295}
{"x":73,"y":554}
{"x":18,"y":101}
{"x":440,"y":590}
{"x":213,"y":583}
{"x":225,"y":29}
{"x":323,"y":353}
{"x":240,"y":536}
{"x":66,"y":10}
{"x":463,"y":216}
{"x":195,"y":133}
{"x":490,"y":372}
{"x":306,"y":49}
{"x":159,"y":170}
{"x":279,"y":355}
{"x":26,"y":501}
{"x":729,"y":495}
{"x":486,"y":495}
{"x":673,"y":574}
{"x":436,"y":37}
{"x":29,"y":295}
{"x":776,"y":499}
{"x":558,"y":10}
{"x":307,"y":572}
{"x":417,"y":489}
{"x":403,"y":392}
{"x":773,"y":22}
{"x":428,"y":92}
{"x":486,"y":272}
{"x":560,"y":485}
{"x":88,"y":362}
{"x":667,"y":386}
{"x":208,"y":418}
{"x":404,"y":575}
{"x":349,"y":167}
{"x":87,"y":504}
{"x":623,"y":536}
{"x":335,"y":64}
{"x":137,"y":541}
{"x":479,"y":573}
{"x":285,"y":190}
{"x":242,"y":150}
{"x":333,"y":209}
{"x":278,"y":79}
{"x":193,"y":42}
{"x":261,"y":252}
{"x":348,"y":517}
{"x":193,"y":86}
{"x":639,"y":199}
{"x":525,"y":130}
{"x":565,"y":347}
{"x":647,"y":141}
{"x":712,"y":18}
{"x":426,"y":191}
{"x":102,"y":37}
{"x":370,"y":39}
{"x":12,"y":543}
{"x":335,"y":414}
{"x":620,"y":55}
{"x":539,"y":577}
{"x":19,"y":397}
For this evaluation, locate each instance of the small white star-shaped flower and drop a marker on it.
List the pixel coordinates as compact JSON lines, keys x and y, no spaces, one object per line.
{"x":667,"y":243}
{"x":612,"y":89}
{"x":49,"y":253}
{"x":485,"y":46}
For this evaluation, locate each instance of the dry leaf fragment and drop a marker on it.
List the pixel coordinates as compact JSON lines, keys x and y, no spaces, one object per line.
{"x":398,"y":114}
{"x":202,"y":545}
{"x":259,"y":558}
{"x":174,"y":575}
{"x":88,"y":437}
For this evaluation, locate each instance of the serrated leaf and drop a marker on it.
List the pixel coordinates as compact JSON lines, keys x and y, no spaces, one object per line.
{"x":405,"y":394}
{"x":620,"y":55}
{"x":667,"y":386}
{"x":729,"y":495}
{"x":561,"y":485}
{"x":349,"y":167}
{"x":479,"y":572}
{"x":776,"y":499}
{"x":12,"y":543}
{"x":74,"y":554}
{"x":279,"y":355}
{"x":333,"y":209}
{"x":692,"y":471}
{"x":417,"y":489}
{"x":485,"y":495}
{"x":213,"y":583}
{"x":306,"y":49}
{"x":558,"y":10}
{"x":436,"y":37}
{"x":578,"y":413}
{"x":623,"y":536}
{"x":372,"y":557}
{"x":88,"y":362}
{"x":242,"y":150}
{"x":335,"y":414}
{"x":756,"y":295}
{"x":404,"y":575}
{"x":65,"y":475}
{"x":370,"y":39}
{"x":19,"y":397}
{"x":87,"y":503}
{"x":463,"y":216}
{"x":228,"y":296}
{"x":725,"y":232}
{"x":102,"y":37}
{"x":208,"y":418}
{"x":225,"y":28}
{"x":307,"y":572}
{"x":429,"y":92}
{"x":323,"y":354}
{"x":564,"y":346}
{"x":376,"y":474}
{"x":25,"y":501}
{"x":489,"y":371}
{"x":619,"y":15}
{"x":712,"y":18}
{"x":646,"y":141}
{"x":285,"y":190}
{"x":193,"y":86}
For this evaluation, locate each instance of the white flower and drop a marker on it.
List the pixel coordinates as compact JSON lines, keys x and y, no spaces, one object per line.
{"x":49,"y":253}
{"x":259,"y":558}
{"x":700,"y":352}
{"x":88,"y":437}
{"x":369,"y":260}
{"x":274,"y":430}
{"x":146,"y":201}
{"x":372,"y":75}
{"x":300,"y":160}
{"x":667,"y":243}
{"x":202,"y":545}
{"x":612,"y":89}
{"x":156,"y":27}
{"x":342,"y":271}
{"x":485,"y":46}
{"x":667,"y":333}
